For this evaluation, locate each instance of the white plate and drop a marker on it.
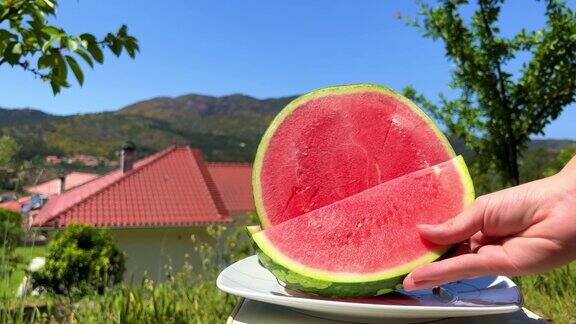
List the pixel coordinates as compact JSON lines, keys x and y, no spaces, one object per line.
{"x":482,"y":296}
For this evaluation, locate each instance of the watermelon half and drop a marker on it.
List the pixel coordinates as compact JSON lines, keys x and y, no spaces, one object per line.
{"x":341,"y":179}
{"x":335,"y":142}
{"x":365,"y":244}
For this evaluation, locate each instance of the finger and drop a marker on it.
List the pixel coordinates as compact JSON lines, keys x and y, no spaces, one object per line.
{"x":458,"y":249}
{"x":441,"y":272}
{"x":479,"y":240}
{"x":459,"y":228}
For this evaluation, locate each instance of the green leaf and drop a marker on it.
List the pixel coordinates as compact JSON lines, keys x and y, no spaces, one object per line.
{"x":86,"y":58}
{"x":11,"y":54}
{"x":71,"y":44}
{"x":48,"y":44}
{"x":45,"y":61}
{"x":17,"y":49}
{"x":48,"y":3}
{"x":123,"y":31}
{"x":75,"y":69}
{"x":55,"y":87}
{"x":51,"y":31}
{"x":88,"y":38}
{"x":116,"y":47}
{"x":5,"y":35}
{"x":96,"y":53}
{"x":61,"y":68}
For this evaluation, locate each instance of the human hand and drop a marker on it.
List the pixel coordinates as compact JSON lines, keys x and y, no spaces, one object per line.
{"x":521,"y":230}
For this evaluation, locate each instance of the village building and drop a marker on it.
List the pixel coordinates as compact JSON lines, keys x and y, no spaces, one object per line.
{"x":84,"y":159}
{"x":154,"y":206}
{"x":53,"y":159}
{"x":57,"y":186}
{"x":15,"y":205}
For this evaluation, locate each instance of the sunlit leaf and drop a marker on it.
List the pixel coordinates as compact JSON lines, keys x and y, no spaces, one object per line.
{"x":75,"y":69}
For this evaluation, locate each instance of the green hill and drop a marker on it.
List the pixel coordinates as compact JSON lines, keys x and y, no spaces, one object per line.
{"x":225,"y":128}
{"x":23,"y":116}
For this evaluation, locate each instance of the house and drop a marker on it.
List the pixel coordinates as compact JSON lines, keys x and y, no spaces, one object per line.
{"x":234,"y":182}
{"x":152,"y":207}
{"x":15,"y":205}
{"x":84,"y":159}
{"x":53,"y":159}
{"x":56,"y":186}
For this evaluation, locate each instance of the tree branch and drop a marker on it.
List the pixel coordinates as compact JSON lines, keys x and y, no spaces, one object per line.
{"x":536,"y":119}
{"x":26,"y":66}
{"x":512,"y":145}
{"x":496,"y":62}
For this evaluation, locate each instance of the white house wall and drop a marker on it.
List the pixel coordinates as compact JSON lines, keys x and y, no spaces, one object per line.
{"x":159,"y":251}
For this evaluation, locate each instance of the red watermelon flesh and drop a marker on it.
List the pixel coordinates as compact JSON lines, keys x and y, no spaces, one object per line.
{"x":371,"y":235}
{"x":337,"y":142}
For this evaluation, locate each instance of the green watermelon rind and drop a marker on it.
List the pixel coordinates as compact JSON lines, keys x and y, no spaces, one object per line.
{"x":253,"y":229}
{"x":279,"y":258}
{"x":336,"y":90}
{"x":295,"y":281}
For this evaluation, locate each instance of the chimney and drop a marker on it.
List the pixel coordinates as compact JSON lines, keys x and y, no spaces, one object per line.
{"x":128,"y":156}
{"x":61,"y":183}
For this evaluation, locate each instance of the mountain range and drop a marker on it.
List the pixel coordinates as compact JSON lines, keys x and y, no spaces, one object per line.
{"x":225,"y":128}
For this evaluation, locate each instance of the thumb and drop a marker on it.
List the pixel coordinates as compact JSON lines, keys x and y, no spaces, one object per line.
{"x":459,"y":228}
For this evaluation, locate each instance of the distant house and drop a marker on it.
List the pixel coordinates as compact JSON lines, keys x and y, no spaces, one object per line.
{"x":152,"y":207}
{"x":53,"y":159}
{"x":15,"y":205}
{"x":84,"y":159}
{"x":56,"y":186}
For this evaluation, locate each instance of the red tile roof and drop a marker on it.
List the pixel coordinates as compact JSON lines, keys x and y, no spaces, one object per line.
{"x":52,"y":187}
{"x":234,"y":181}
{"x":170,"y":188}
{"x":15,"y":206}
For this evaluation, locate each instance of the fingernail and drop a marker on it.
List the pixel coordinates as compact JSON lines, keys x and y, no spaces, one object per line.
{"x":426,"y":227}
{"x":408,"y":283}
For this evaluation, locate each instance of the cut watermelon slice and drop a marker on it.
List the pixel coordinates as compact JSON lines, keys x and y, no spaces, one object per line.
{"x":368,"y":238}
{"x":336,"y":142}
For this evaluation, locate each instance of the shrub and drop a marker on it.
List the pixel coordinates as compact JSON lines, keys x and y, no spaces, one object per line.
{"x":80,"y":260}
{"x":11,"y":233}
{"x":189,"y":296}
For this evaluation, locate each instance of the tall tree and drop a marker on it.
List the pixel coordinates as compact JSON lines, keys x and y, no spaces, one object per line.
{"x":9,"y":149}
{"x":495,"y":110}
{"x":28,"y":41}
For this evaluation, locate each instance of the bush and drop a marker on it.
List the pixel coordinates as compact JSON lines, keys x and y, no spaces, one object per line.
{"x":11,"y":234}
{"x":190,"y":296}
{"x":81,"y":260}
{"x":11,"y":231}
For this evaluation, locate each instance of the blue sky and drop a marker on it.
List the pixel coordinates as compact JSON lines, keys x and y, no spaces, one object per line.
{"x":260,"y":48}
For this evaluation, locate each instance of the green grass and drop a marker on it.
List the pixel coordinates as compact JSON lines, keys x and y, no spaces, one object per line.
{"x":28,"y":253}
{"x":192,"y":297}
{"x":552,"y":295}
{"x":9,"y":285}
